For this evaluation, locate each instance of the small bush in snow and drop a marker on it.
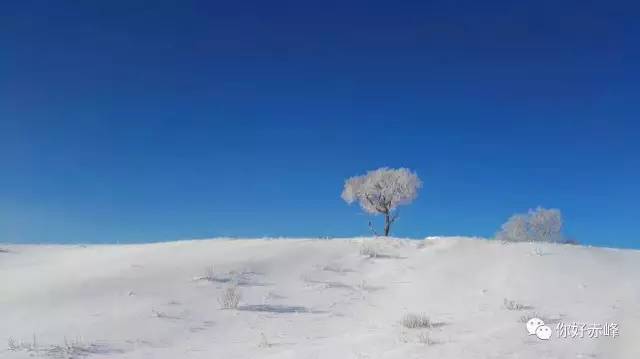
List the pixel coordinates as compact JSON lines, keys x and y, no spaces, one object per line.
{"x":163,"y":315}
{"x":75,"y":349}
{"x":513,"y":305}
{"x":264,"y":343}
{"x":12,"y":345}
{"x":230,"y":298}
{"x":69,"y":350}
{"x":540,"y":252}
{"x":370,"y":250}
{"x":210,"y":273}
{"x":414,"y":321}
{"x":539,"y":225}
{"x":525,"y":318}
{"x":425,"y":338}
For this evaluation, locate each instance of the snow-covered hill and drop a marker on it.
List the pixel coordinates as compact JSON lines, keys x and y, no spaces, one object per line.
{"x":334,"y":299}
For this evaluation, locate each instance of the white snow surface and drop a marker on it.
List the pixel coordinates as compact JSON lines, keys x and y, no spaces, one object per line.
{"x":312,"y":298}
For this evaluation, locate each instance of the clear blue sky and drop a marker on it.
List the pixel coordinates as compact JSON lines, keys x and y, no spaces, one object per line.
{"x":131,"y":122}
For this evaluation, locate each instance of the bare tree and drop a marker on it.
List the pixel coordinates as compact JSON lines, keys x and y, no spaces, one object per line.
{"x":381,"y":191}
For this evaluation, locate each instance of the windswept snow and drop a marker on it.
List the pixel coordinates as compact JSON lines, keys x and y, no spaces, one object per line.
{"x":350,"y":298}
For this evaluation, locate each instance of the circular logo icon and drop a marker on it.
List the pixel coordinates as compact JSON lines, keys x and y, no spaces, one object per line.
{"x":543,"y":332}
{"x":533,"y":324}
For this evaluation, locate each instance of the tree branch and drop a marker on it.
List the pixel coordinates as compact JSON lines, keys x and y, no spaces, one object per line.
{"x":394,"y":216}
{"x":375,"y":205}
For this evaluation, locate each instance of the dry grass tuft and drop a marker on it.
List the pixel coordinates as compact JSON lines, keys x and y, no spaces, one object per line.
{"x":415,"y":321}
{"x":230,"y":298}
{"x":425,"y":338}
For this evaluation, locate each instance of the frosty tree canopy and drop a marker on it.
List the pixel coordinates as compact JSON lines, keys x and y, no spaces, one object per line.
{"x":381,"y":191}
{"x":539,"y":225}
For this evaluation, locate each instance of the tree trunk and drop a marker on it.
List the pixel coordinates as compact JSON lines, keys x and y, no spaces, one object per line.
{"x":387,"y":224}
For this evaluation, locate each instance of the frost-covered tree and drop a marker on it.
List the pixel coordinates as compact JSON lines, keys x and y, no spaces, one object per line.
{"x":515,"y":229}
{"x":546,"y":224}
{"x":381,"y":191}
{"x":539,"y":225}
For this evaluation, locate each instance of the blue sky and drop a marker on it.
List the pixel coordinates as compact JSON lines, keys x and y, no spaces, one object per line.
{"x":132,"y":122}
